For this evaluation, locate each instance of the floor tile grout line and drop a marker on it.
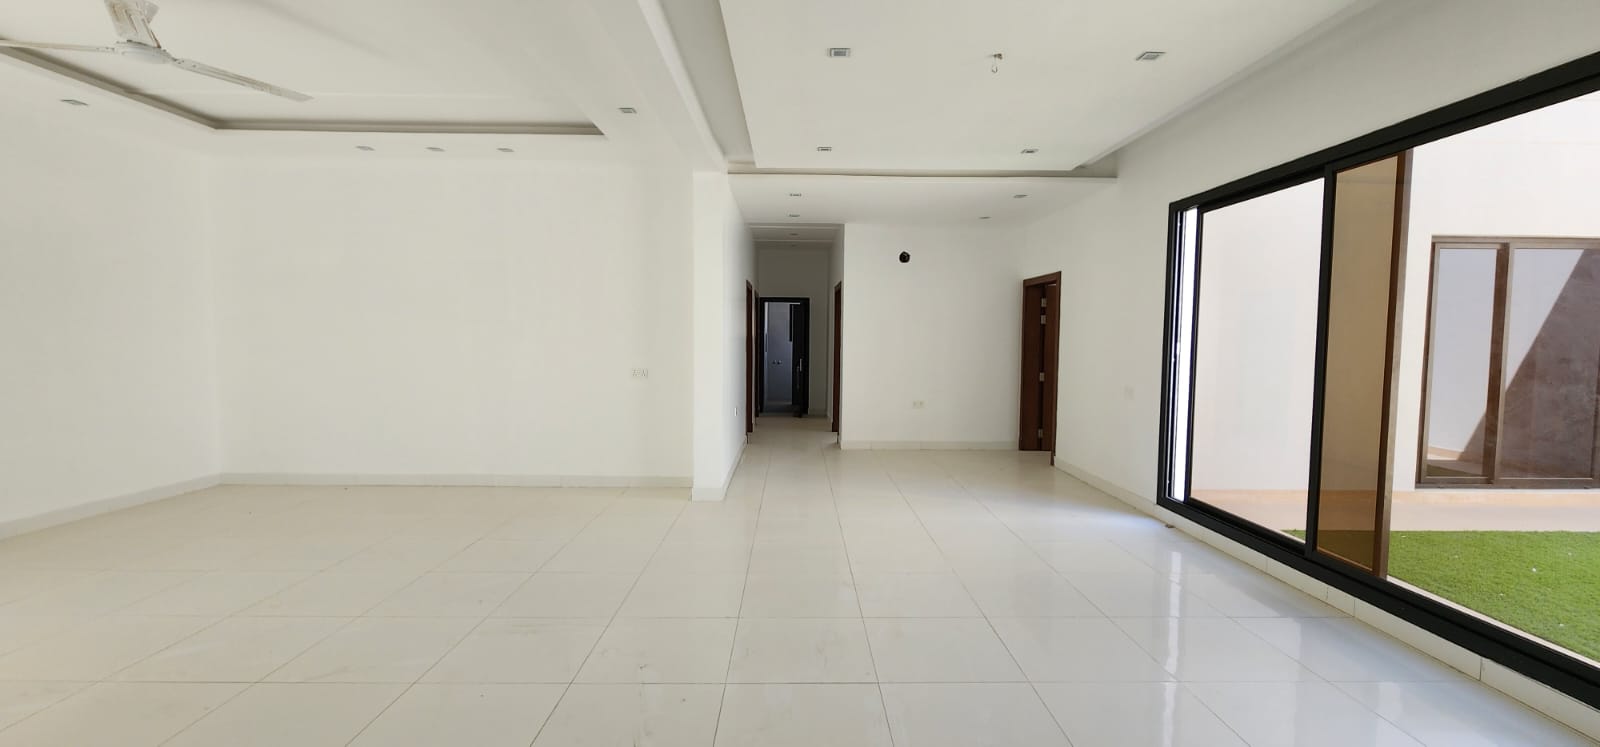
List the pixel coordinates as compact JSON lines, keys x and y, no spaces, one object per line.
{"x":883,"y":700}
{"x":1180,"y":683}
{"x":474,"y":629}
{"x":733,"y":645}
{"x":348,"y":622}
{"x":965,"y":473}
{"x":1110,"y":619}
{"x":1184,"y":686}
{"x":990,"y":623}
{"x":611,"y":620}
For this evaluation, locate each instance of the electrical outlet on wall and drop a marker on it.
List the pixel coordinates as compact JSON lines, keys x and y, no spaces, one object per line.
{"x":918,"y":404}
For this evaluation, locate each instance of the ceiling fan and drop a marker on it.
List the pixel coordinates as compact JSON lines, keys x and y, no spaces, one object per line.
{"x":132,"y":21}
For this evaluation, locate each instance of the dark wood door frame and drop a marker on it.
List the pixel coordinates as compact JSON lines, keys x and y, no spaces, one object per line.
{"x":800,"y":379}
{"x":759,"y":398}
{"x":749,"y":357}
{"x":838,"y":334}
{"x":1041,"y":346}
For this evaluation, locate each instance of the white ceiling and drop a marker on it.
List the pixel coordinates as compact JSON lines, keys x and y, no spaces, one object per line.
{"x":418,"y":62}
{"x":765,"y":198}
{"x":795,"y":234}
{"x":917,"y":92}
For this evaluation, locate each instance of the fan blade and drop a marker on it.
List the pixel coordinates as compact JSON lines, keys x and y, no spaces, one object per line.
{"x":56,"y":47}
{"x":239,"y":80}
{"x":132,"y":20}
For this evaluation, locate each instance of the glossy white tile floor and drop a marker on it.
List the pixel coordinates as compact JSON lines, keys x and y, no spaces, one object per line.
{"x":836,"y":598}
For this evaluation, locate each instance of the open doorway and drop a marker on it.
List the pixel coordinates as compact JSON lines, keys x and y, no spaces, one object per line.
{"x":1041,"y":343}
{"x":785,"y":356}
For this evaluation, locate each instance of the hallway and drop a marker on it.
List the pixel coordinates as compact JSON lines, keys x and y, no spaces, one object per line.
{"x":836,"y":598}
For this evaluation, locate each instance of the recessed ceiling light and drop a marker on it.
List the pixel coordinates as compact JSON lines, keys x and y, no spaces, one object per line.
{"x":838,"y":51}
{"x":1029,"y":151}
{"x":506,"y":150}
{"x":436,"y":149}
{"x":74,"y":102}
{"x":365,"y":148}
{"x":824,"y":148}
{"x":1150,"y":56}
{"x":628,"y":110}
{"x":1018,"y":197}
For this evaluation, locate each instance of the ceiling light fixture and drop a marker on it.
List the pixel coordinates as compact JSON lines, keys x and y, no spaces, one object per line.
{"x":367,"y":148}
{"x":628,"y":110}
{"x":436,"y":149}
{"x":74,"y":102}
{"x":1029,"y":151}
{"x":824,"y":148}
{"x":506,"y":150}
{"x":1150,"y":56}
{"x":1018,"y":197}
{"x":838,"y":51}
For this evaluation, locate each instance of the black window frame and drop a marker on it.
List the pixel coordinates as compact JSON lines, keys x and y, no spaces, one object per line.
{"x":1523,"y":654}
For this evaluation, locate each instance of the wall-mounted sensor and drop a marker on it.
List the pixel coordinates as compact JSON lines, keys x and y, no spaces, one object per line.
{"x":905,"y":257}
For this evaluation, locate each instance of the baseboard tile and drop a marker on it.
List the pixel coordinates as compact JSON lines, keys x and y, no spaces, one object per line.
{"x":928,"y":445}
{"x":445,"y":480}
{"x":1530,"y":692}
{"x":61,"y":516}
{"x":719,"y":491}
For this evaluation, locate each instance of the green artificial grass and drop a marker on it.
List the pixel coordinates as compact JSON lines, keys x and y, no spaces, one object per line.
{"x":1544,"y":583}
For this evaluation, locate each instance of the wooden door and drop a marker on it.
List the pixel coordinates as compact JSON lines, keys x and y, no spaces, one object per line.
{"x":1041,"y":341}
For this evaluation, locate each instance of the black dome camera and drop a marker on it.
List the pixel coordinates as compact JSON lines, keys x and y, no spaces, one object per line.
{"x":905,"y":257}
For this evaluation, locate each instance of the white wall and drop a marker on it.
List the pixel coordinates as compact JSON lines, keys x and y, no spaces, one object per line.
{"x":1533,"y":175}
{"x":108,"y":389}
{"x":1254,"y":355}
{"x":723,"y":264}
{"x":1395,"y":61}
{"x":804,"y":273}
{"x":465,"y":321}
{"x":1458,"y":397}
{"x":944,"y":329}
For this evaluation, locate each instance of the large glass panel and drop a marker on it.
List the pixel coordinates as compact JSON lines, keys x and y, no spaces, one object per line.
{"x":1460,"y":342}
{"x":1352,"y":489}
{"x":1522,"y":545}
{"x":1552,"y":363}
{"x":1255,"y":355}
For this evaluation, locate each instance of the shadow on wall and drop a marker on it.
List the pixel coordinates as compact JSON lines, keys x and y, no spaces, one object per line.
{"x":1550,"y":405}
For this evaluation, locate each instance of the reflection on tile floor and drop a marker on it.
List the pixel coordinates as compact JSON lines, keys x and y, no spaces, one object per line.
{"x":835,"y":598}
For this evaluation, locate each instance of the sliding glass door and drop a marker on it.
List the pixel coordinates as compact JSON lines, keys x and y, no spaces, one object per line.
{"x":1383,"y":369}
